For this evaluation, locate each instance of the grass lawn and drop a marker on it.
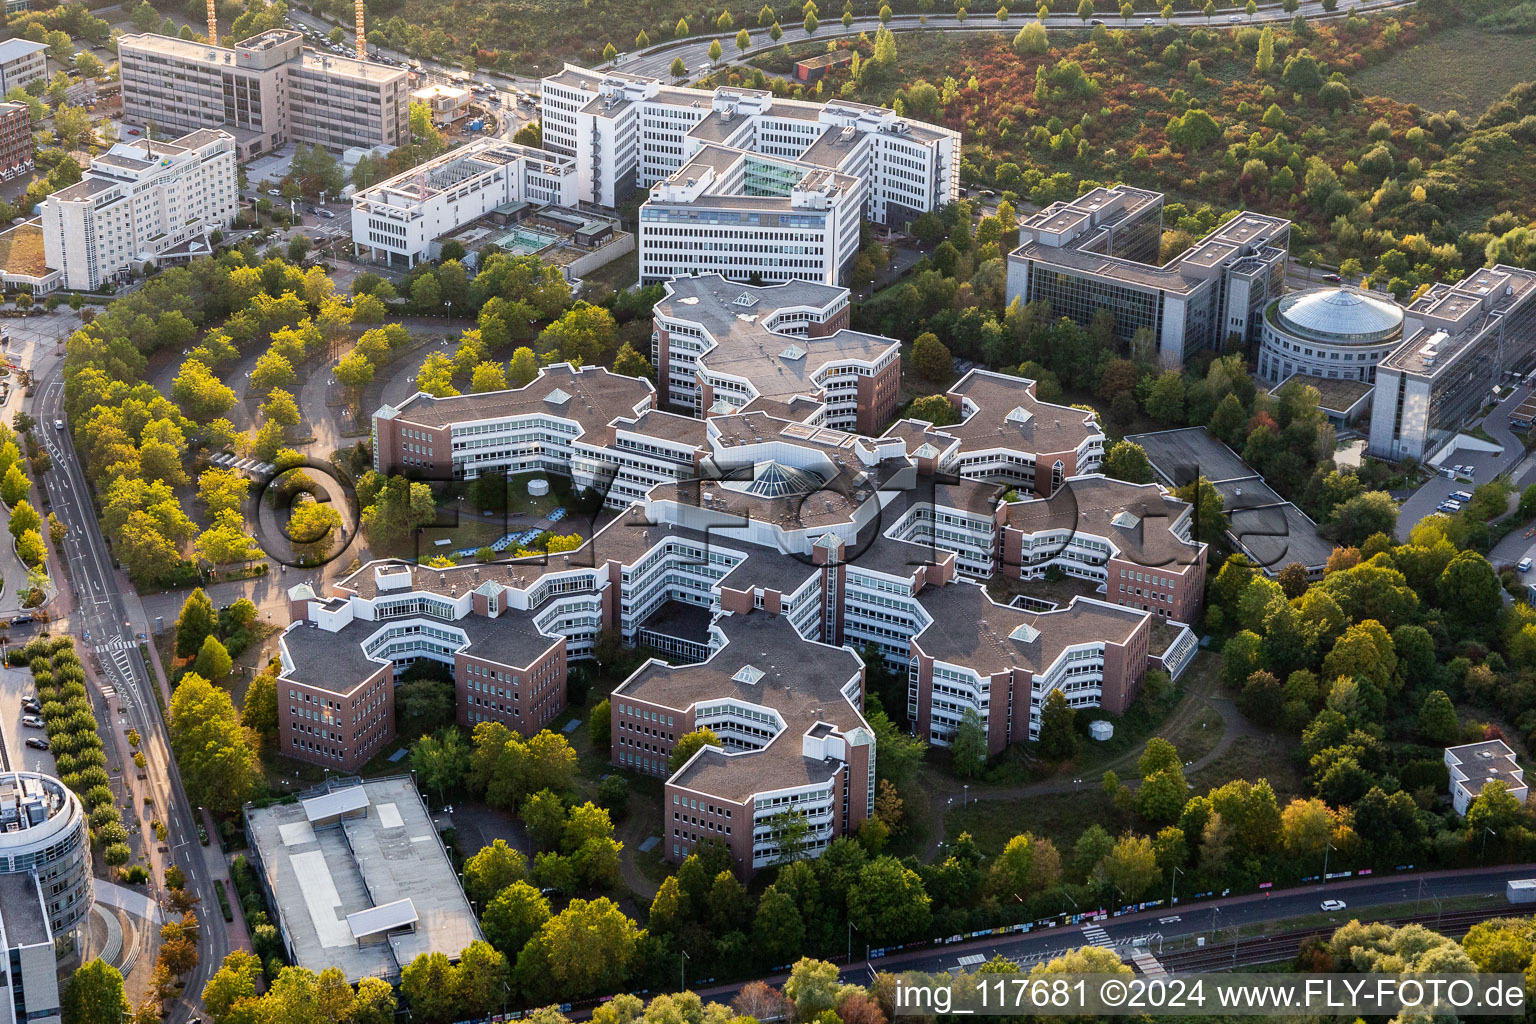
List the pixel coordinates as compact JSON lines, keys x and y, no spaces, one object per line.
{"x":1265,"y":756}
{"x":1060,"y":817}
{"x":1463,"y":68}
{"x":21,"y":251}
{"x":620,"y":274}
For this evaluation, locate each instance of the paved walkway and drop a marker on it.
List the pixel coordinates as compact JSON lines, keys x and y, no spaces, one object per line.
{"x":942,"y":790}
{"x":124,"y":898}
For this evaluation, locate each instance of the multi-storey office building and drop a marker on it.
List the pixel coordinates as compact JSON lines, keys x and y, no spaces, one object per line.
{"x":267,"y":91}
{"x":21,"y":61}
{"x":759,"y":538}
{"x":793,"y":740}
{"x":751,"y":186}
{"x":140,"y":202}
{"x":1457,"y":341}
{"x":1006,"y":435}
{"x":1098,"y":251}
{"x":515,"y":431}
{"x":721,"y":346}
{"x":396,"y":220}
{"x":16,"y":152}
{"x":45,"y":890}
{"x":1331,"y":333}
{"x":1002,"y":662}
{"x":1133,"y":539}
{"x":340,"y":655}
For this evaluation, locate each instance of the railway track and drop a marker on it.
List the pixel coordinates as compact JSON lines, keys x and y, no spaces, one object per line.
{"x":1268,"y":949}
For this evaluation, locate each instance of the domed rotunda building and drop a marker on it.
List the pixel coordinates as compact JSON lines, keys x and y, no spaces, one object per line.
{"x":1328,"y":332}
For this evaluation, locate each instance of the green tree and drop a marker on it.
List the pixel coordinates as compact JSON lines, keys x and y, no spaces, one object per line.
{"x":1469,"y":594}
{"x":935,"y":409}
{"x":586,"y":948}
{"x":493,"y":869}
{"x":195,"y":623}
{"x":969,"y":745}
{"x":1208,"y":503}
{"x":888,"y":902}
{"x":15,"y":485}
{"x":1438,"y":724}
{"x":258,"y":710}
{"x":545,"y":816}
{"x":94,"y":995}
{"x":213,"y":660}
{"x":1165,"y":400}
{"x":523,"y":368}
{"x":715,"y":51}
{"x":743,"y":41}
{"x":931,"y":358}
{"x":24,"y":518}
{"x":689,"y":744}
{"x":1031,"y":39}
{"x":1363,"y":515}
{"x":272,"y":370}
{"x":427,"y":983}
{"x":1127,"y":460}
{"x":441,"y":761}
{"x":373,"y":1003}
{"x":813,"y":987}
{"x":515,"y":916}
{"x":778,"y":930}
{"x":232,"y":984}
{"x":218,"y":766}
{"x":1058,"y":733}
{"x":630,"y":362}
{"x":679,"y":69}
{"x":1131,"y":867}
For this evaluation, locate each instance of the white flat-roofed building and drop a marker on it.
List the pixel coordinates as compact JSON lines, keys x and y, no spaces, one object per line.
{"x":1473,"y":765}
{"x":268,"y":90}
{"x":1458,"y":341}
{"x":397,"y":220}
{"x":45,"y":890}
{"x":141,"y":202}
{"x":360,"y":879}
{"x":1099,"y":251}
{"x":448,"y":103}
{"x":751,"y":186}
{"x":21,"y":61}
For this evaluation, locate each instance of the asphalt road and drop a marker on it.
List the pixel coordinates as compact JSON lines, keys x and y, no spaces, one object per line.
{"x":1217,"y":920}
{"x":101,"y":614}
{"x":1486,"y":465}
{"x":656,"y":60}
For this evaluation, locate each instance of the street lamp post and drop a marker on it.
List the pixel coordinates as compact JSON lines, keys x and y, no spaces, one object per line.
{"x":1173,"y":882}
{"x":965,"y":795}
{"x":682,"y":971}
{"x":1483,"y":857}
{"x":1326,"y":852}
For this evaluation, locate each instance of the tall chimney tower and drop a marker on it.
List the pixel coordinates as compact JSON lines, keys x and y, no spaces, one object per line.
{"x":362,"y":40}
{"x":213,"y":24}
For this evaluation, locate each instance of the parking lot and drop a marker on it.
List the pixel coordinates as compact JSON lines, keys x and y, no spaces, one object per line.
{"x":14,"y":684}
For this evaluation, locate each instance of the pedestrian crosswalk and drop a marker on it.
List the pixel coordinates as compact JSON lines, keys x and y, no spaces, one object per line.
{"x":1097,"y":936}
{"x":110,"y":646}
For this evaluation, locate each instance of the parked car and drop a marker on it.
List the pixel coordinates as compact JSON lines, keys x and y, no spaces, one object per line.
{"x":275,"y":193}
{"x":1525,"y":565}
{"x":1462,"y":496}
{"x":35,"y":708}
{"x":327,"y":214}
{"x":1332,"y":905}
{"x":32,"y":721}
{"x":37,"y":743}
